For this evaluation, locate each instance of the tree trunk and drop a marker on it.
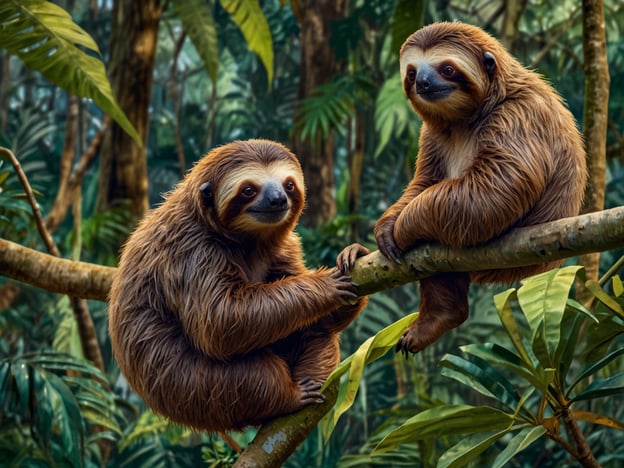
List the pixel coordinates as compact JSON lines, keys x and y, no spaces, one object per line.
{"x":595,"y":115}
{"x":318,"y":66}
{"x":123,"y":166}
{"x":511,"y":20}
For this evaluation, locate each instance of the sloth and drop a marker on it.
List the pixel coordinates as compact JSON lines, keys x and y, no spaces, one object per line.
{"x":497,"y":150}
{"x":214,"y":320}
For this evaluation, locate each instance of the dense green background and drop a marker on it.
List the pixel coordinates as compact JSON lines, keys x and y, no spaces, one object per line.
{"x":46,"y":413}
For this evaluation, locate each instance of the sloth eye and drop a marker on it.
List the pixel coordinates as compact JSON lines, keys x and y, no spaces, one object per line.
{"x":248,"y":191}
{"x":411,"y":75}
{"x":447,"y":71}
{"x":289,"y":186}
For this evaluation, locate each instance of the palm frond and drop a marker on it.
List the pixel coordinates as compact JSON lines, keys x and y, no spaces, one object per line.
{"x":198,"y":22}
{"x":248,"y":15}
{"x":46,"y":39}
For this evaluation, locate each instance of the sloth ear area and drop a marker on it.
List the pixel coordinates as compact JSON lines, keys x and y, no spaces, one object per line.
{"x":205,"y":191}
{"x":489,"y":62}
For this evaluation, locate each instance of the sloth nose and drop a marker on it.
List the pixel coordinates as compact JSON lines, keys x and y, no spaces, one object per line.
{"x":277,"y":199}
{"x":424,"y":78}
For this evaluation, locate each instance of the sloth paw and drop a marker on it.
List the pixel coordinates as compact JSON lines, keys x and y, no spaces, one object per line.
{"x":346,"y":259}
{"x":421,"y":334}
{"x":310,"y":392}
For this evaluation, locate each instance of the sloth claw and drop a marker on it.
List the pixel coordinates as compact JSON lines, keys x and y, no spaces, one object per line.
{"x":310,"y":392}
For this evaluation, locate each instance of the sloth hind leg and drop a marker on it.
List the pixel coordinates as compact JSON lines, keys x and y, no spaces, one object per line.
{"x":443,"y":306}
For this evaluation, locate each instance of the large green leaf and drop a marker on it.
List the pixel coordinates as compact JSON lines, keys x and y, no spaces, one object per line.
{"x":479,"y":375}
{"x":393,"y":113}
{"x":469,"y":448}
{"x":198,"y":22}
{"x":46,"y":39}
{"x":248,"y":15}
{"x":371,"y":350}
{"x":605,"y":298}
{"x":593,"y":367}
{"x":543,"y":299}
{"x":408,"y":17}
{"x":446,"y":420}
{"x":502,"y":302}
{"x":500,"y":356}
{"x":518,"y":443}
{"x":599,"y":388}
{"x":326,"y":109}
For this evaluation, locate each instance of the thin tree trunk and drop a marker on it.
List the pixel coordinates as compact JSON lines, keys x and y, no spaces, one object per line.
{"x":123,"y":168}
{"x":511,"y":22}
{"x":595,"y":117}
{"x":318,"y":66}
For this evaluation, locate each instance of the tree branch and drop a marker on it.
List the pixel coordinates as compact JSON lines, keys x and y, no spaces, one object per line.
{"x":593,"y":232}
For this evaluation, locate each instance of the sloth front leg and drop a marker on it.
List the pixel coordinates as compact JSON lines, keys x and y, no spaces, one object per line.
{"x":443,"y":306}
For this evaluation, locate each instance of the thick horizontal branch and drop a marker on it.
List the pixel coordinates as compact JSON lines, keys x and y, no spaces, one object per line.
{"x":593,"y":232}
{"x":78,"y":279}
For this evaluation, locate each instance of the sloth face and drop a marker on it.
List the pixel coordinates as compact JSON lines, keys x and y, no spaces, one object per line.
{"x":260,"y":197}
{"x":443,"y":81}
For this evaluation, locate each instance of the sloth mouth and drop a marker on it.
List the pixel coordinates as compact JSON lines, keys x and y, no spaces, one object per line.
{"x":268,"y":215}
{"x":436,"y":94}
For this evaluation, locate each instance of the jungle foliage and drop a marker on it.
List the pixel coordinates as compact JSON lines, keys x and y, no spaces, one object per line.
{"x":505,"y":388}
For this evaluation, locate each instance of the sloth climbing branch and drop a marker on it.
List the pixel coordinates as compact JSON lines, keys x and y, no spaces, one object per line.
{"x":593,"y":232}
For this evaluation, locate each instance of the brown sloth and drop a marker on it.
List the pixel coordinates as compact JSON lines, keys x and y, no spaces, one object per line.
{"x":498,"y":150}
{"x":214,"y":319}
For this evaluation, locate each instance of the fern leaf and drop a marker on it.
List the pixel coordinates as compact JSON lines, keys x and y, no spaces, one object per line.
{"x":198,"y":22}
{"x":46,"y":39}
{"x":248,"y":15}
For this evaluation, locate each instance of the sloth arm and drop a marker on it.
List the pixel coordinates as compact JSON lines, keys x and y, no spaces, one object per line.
{"x":225,"y":316}
{"x":499,"y":188}
{"x":426,"y":174}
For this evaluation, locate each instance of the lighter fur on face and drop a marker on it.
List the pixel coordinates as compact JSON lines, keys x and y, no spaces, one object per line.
{"x":462,"y":62}
{"x":259,"y":174}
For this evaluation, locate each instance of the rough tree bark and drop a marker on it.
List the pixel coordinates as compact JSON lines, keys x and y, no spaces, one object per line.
{"x":123,"y":166}
{"x":595,"y":115}
{"x":318,"y":66}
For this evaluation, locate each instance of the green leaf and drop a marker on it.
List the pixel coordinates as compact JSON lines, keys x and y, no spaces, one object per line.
{"x":469,"y":448}
{"x":408,"y":17}
{"x":43,"y":405}
{"x":543,"y":300}
{"x":46,"y":39}
{"x":500,"y":356}
{"x":248,"y":15}
{"x":393,"y":113}
{"x":445,"y":421}
{"x":70,"y":423}
{"x":602,"y":387}
{"x":371,"y":350}
{"x":480,"y":376}
{"x":198,"y":22}
{"x":618,"y":286}
{"x":21,"y":376}
{"x":326,"y":109}
{"x":592,"y":368}
{"x":502,"y":302}
{"x":571,"y":324}
{"x":518,"y":443}
{"x":605,"y":298}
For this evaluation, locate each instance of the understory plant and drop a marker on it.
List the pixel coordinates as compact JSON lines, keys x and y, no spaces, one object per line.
{"x":557,"y":377}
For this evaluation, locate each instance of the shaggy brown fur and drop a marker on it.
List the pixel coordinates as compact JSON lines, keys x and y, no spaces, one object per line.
{"x":214,"y":319}
{"x":498,"y":150}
